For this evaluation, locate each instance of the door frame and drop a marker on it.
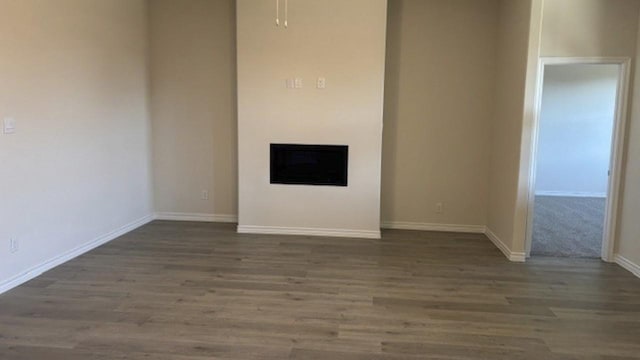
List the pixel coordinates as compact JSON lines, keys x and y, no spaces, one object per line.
{"x":617,"y":147}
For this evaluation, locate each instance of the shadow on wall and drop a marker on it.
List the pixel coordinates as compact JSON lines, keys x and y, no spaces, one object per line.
{"x":225,"y":155}
{"x":391,"y":98}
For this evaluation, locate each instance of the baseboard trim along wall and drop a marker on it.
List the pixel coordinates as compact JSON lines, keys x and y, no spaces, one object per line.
{"x":628,"y":265}
{"x":178,"y":216}
{"x":511,"y":255}
{"x":61,"y":259}
{"x":401,"y":225}
{"x":571,"y":194}
{"x":278,"y":230}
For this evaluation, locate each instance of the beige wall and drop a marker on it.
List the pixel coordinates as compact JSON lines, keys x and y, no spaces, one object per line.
{"x":73,"y":75}
{"x":518,"y":246}
{"x":193,"y":104}
{"x":421,"y":116}
{"x":439,"y":99}
{"x":345,"y":43}
{"x":628,"y":239}
{"x":513,"y":56}
{"x":589,"y":27}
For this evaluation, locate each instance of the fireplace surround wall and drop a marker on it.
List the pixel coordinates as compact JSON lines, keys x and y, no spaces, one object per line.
{"x":347,"y":52}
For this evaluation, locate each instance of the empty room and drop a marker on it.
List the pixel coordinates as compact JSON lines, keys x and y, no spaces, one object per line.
{"x":319,"y":179}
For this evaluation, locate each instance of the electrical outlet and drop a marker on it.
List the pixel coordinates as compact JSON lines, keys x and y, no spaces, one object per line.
{"x":439,"y":208}
{"x":9,"y":125}
{"x":13,"y":245}
{"x":205,"y":195}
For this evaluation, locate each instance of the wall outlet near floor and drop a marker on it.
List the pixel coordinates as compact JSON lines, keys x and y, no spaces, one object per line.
{"x":205,"y":195}
{"x":14,"y":245}
{"x":439,"y":208}
{"x":9,"y":125}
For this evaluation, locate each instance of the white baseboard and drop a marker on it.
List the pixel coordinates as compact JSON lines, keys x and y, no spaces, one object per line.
{"x":401,"y":225}
{"x":572,"y":194}
{"x":278,"y":230}
{"x":628,"y":264}
{"x":512,"y":256}
{"x":60,"y":259}
{"x":178,"y":216}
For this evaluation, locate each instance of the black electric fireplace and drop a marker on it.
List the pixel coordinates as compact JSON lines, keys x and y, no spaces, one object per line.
{"x":309,"y":164}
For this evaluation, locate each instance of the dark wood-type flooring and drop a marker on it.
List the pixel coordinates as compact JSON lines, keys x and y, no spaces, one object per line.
{"x":172,"y":290}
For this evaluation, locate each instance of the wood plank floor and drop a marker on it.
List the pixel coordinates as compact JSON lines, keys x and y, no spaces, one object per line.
{"x":172,"y":290}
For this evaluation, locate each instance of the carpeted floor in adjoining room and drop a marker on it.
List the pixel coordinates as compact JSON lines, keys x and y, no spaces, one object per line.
{"x":568,"y":226}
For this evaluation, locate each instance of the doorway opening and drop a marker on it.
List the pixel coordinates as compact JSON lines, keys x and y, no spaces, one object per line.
{"x":573,"y":191}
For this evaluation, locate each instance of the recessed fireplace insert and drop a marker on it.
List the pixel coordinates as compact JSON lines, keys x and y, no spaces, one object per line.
{"x":309,"y":164}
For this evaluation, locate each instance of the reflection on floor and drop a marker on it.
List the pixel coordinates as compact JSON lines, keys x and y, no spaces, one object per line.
{"x":568,"y":226}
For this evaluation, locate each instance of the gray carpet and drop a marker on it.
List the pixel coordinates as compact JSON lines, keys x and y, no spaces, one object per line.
{"x":568,"y":226}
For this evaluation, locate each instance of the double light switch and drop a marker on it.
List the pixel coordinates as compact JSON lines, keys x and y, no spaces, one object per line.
{"x":296,"y":83}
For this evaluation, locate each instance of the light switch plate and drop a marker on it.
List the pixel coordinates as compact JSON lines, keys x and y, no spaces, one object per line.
{"x":322,"y":83}
{"x":298,"y":83}
{"x":14,"y":246}
{"x":9,"y":125}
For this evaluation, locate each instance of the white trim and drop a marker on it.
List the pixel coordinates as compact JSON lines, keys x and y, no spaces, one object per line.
{"x":512,"y":256}
{"x":61,"y":259}
{"x":616,"y":165}
{"x":279,"y":230}
{"x":627,"y":264}
{"x":178,"y":216}
{"x":402,"y":225}
{"x":571,"y":194}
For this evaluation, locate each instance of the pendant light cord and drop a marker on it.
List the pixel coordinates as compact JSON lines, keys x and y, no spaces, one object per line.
{"x":286,"y":13}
